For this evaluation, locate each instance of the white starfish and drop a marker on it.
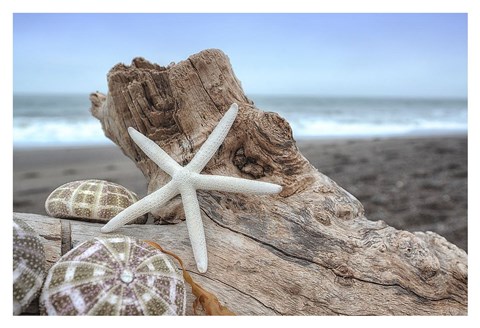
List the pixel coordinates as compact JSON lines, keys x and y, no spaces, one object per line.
{"x":185,"y":181}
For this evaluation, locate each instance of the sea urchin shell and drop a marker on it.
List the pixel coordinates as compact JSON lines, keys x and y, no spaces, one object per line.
{"x":90,"y":200}
{"x":28,"y":265}
{"x":114,"y":275}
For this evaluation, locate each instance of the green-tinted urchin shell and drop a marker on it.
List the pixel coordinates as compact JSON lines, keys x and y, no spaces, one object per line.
{"x":90,"y":200}
{"x":28,"y":265}
{"x":114,"y":275}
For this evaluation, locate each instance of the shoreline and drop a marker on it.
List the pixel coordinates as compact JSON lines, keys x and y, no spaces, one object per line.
{"x":412,"y":183}
{"x":326,"y":138}
{"x":411,"y":134}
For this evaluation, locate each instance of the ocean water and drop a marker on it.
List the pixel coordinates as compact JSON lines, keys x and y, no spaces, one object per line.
{"x":65,"y":120}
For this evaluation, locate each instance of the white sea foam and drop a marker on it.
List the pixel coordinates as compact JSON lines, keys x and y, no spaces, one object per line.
{"x":66,"y":120}
{"x":57,"y":132}
{"x":319,"y":128}
{"x":343,"y":118}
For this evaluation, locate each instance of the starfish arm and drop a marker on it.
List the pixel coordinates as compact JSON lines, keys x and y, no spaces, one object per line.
{"x":214,"y":140}
{"x":154,"y":152}
{"x":146,"y":204}
{"x":231,"y":184}
{"x":195,"y":227}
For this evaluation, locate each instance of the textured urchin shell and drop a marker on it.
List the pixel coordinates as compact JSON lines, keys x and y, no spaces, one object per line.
{"x":114,"y":275}
{"x":28,"y":265}
{"x":90,"y":200}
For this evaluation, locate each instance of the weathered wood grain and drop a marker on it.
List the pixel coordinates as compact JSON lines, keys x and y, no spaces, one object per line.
{"x":308,"y":250}
{"x":253,"y":278}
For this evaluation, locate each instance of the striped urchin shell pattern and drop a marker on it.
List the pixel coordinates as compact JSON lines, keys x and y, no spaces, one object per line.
{"x":90,"y":200}
{"x":114,"y":275}
{"x":28,"y":265}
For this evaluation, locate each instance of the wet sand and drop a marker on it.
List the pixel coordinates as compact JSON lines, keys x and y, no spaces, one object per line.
{"x":414,"y":184}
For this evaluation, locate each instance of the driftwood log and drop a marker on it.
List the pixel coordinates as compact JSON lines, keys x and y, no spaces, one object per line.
{"x":309,"y":250}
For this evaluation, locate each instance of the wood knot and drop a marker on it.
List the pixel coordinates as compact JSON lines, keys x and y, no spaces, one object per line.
{"x":416,"y":252}
{"x":460,"y":272}
{"x":343,"y":271}
{"x":344,"y":276}
{"x":344,"y":213}
{"x":325,"y":220}
{"x":347,"y":207}
{"x":248,"y":165}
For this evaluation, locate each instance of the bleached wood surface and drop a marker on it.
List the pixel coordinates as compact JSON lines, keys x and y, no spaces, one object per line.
{"x":253,"y":278}
{"x":309,"y":250}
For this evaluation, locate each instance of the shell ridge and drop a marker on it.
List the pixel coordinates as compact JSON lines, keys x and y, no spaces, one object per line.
{"x":68,"y":264}
{"x":44,"y":299}
{"x":158,"y":274}
{"x":184,"y":307}
{"x":116,"y":206}
{"x":96,"y":202}
{"x":18,"y":231}
{"x":17,"y":274}
{"x":28,"y":265}
{"x":96,"y":265}
{"x":162,"y":256}
{"x":92,"y":249}
{"x":77,"y":300}
{"x":120,"y":301}
{"x":111,"y":251}
{"x":146,"y":247}
{"x":135,"y":300}
{"x":70,"y":202}
{"x":128,"y":250}
{"x":150,"y":250}
{"x":139,"y":298}
{"x":102,"y":299}
{"x":133,"y":196}
{"x":22,"y":267}
{"x":171,"y":308}
{"x":62,"y":288}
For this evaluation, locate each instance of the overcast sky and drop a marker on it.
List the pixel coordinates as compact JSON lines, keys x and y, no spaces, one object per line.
{"x":399,"y":55}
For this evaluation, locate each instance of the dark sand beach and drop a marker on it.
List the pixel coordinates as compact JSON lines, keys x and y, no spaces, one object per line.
{"x":414,"y":184}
